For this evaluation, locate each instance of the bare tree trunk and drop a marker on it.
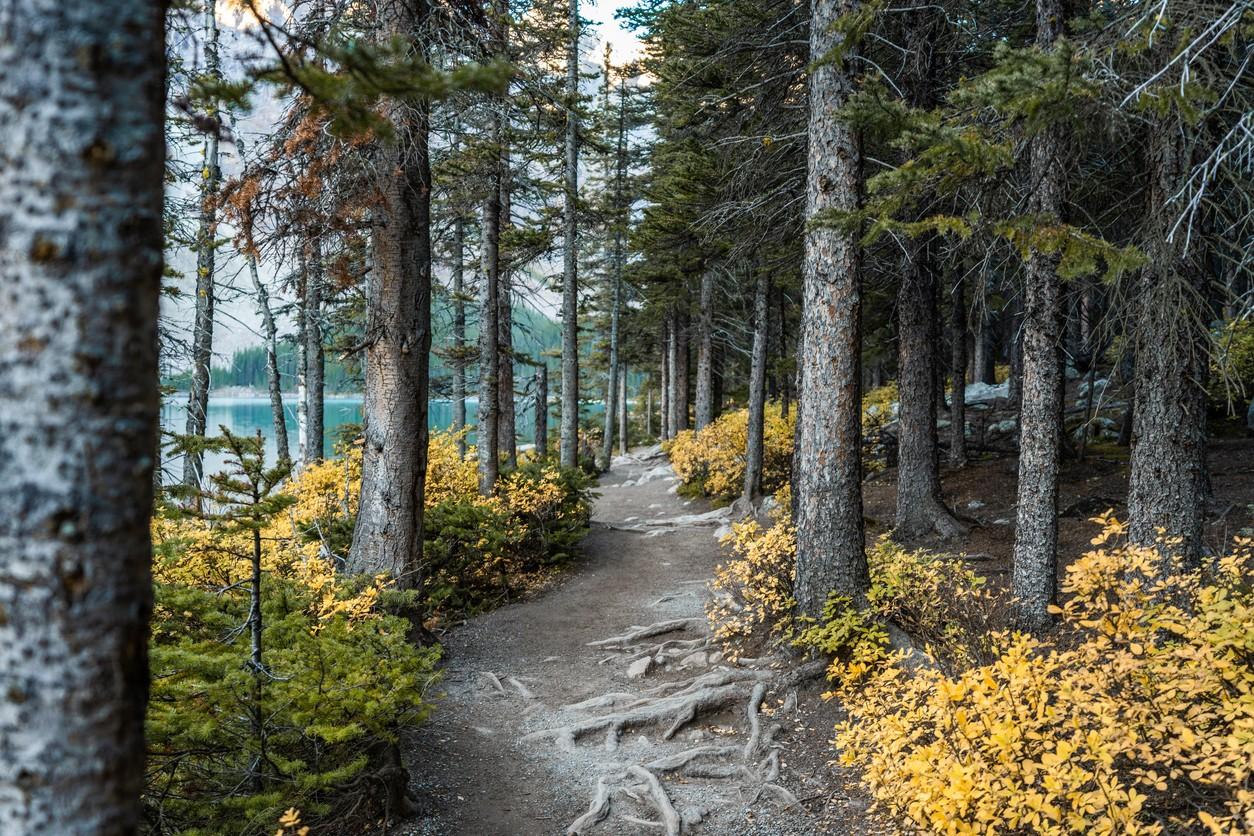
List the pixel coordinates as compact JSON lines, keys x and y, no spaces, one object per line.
{"x":542,"y":411}
{"x":830,"y":542}
{"x":983,"y":370}
{"x":459,"y":333}
{"x":757,"y":390}
{"x":81,"y":113}
{"x":507,"y":423}
{"x":611,"y":386}
{"x":665,"y":418}
{"x":958,"y":371}
{"x":1036,"y":533}
{"x":315,"y":355}
{"x":202,"y":329}
{"x":675,"y":399}
{"x":613,"y":400}
{"x":273,"y":381}
{"x":705,"y":351}
{"x":487,"y":423}
{"x":920,"y":508}
{"x":716,"y":382}
{"x":1168,"y":485}
{"x":569,"y":441}
{"x":388,"y":536}
{"x":648,"y":413}
{"x":680,"y":401}
{"x":302,"y":364}
{"x":622,"y":410}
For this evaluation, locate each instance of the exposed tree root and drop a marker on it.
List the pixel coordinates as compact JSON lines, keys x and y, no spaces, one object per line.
{"x":597,"y":810}
{"x":635,"y":634}
{"x":662,"y":801}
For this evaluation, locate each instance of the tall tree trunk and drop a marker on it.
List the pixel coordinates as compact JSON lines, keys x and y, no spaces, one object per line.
{"x":459,"y":333}
{"x":920,"y":508}
{"x":315,"y":355}
{"x":542,"y":411}
{"x":665,"y":418}
{"x":958,"y":370}
{"x":618,"y":262}
{"x":275,"y":384}
{"x":569,"y":441}
{"x":487,"y":424}
{"x":611,"y":385}
{"x":983,"y":367}
{"x":81,"y":113}
{"x":278,"y":415}
{"x":622,"y":410}
{"x":302,"y":364}
{"x":672,"y":356}
{"x":828,"y":496}
{"x":757,"y":389}
{"x":716,"y":381}
{"x":680,"y":401}
{"x":1036,"y":533}
{"x":388,"y":536}
{"x":507,"y":422}
{"x":705,"y":351}
{"x":1168,"y":484}
{"x":202,"y":328}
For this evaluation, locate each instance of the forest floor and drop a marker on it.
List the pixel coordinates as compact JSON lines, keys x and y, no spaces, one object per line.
{"x":515,"y":671}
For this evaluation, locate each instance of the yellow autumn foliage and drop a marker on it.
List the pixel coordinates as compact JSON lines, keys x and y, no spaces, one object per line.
{"x":1137,"y":718}
{"x":711,"y":461}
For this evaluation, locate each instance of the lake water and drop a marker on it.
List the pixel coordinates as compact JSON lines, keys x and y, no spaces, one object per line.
{"x":246,"y":415}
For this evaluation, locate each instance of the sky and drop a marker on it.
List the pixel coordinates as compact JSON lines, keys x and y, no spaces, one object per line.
{"x":237,"y":323}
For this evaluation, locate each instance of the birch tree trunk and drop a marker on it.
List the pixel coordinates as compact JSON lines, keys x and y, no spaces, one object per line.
{"x":757,"y":390}
{"x":569,"y":441}
{"x":315,"y":355}
{"x":459,"y":333}
{"x":1036,"y":533}
{"x":81,"y":169}
{"x":705,"y":352}
{"x":206,"y":233}
{"x":828,"y":488}
{"x":1168,"y":485}
{"x":388,"y":536}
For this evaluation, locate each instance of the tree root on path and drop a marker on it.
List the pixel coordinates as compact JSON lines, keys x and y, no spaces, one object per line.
{"x":672,"y":706}
{"x":635,"y":634}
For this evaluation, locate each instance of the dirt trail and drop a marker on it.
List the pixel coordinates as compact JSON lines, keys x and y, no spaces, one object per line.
{"x":511,"y":672}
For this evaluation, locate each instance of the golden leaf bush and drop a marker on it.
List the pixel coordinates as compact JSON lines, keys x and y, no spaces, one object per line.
{"x":1137,"y":718}
{"x":711,"y":461}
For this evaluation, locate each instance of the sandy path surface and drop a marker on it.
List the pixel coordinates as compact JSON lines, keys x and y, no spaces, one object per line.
{"x":646,"y":560}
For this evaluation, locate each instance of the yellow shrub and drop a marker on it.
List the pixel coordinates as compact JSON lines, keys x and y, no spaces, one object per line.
{"x":753,"y":591}
{"x":1138,"y":719}
{"x":712,"y":460}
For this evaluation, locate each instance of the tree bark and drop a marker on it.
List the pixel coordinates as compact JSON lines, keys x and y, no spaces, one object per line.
{"x":1036,"y":534}
{"x":569,"y":441}
{"x":1168,"y":485}
{"x":487,"y":423}
{"x":920,"y":508}
{"x":275,"y":384}
{"x":206,"y":233}
{"x":315,"y":355}
{"x":622,"y":410}
{"x":81,"y":178}
{"x":459,"y":333}
{"x":680,"y":401}
{"x":830,"y":541}
{"x":958,"y":371}
{"x":757,"y":390}
{"x":705,"y":351}
{"x":388,"y":535}
{"x":665,"y":418}
{"x":542,"y":411}
{"x":507,"y":422}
